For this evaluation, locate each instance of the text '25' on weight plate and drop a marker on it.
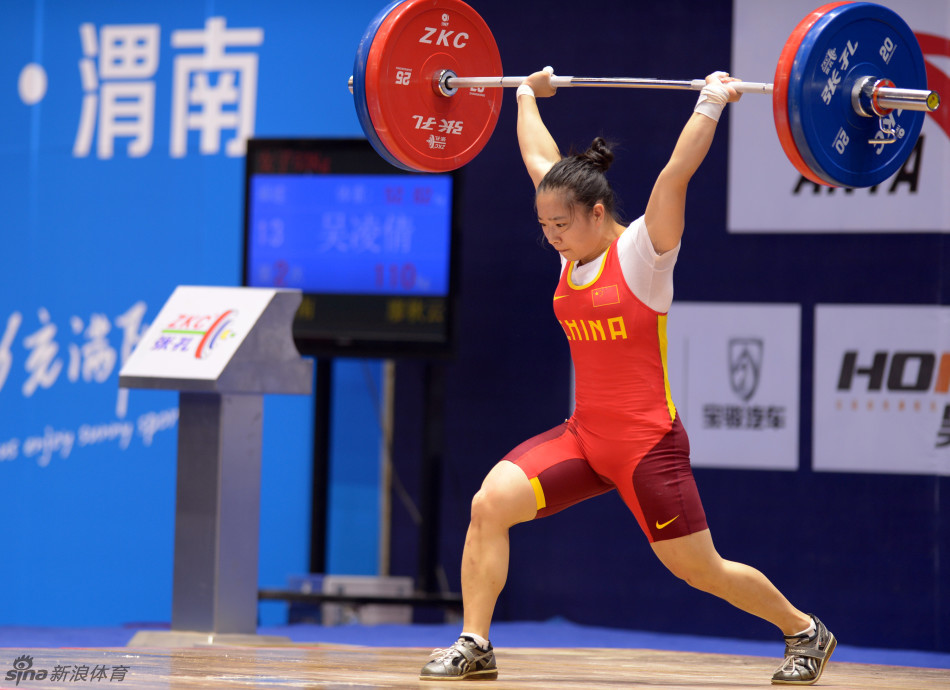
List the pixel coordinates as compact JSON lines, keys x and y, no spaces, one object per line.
{"x":409,"y":44}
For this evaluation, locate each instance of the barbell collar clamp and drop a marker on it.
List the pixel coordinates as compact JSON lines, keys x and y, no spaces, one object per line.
{"x":874,"y":97}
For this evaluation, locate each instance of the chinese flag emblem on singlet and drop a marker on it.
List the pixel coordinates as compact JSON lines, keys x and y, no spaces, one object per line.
{"x":603,"y":296}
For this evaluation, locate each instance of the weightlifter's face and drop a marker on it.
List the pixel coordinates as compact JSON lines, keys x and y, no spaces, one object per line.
{"x":575,"y":232}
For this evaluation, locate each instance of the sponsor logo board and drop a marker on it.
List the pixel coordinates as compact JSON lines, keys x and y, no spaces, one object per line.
{"x":882,"y":376}
{"x":735,"y":378}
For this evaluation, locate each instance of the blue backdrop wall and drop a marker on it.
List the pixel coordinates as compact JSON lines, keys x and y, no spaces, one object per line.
{"x":106,"y":210}
{"x":122,"y":177}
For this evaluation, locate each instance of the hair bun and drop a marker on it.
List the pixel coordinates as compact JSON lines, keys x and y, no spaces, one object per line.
{"x":599,"y":154}
{"x":581,"y":180}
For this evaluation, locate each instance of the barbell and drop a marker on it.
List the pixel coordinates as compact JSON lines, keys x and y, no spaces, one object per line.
{"x":840,"y":115}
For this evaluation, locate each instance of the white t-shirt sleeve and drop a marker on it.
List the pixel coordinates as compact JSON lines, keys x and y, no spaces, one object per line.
{"x":649,"y":275}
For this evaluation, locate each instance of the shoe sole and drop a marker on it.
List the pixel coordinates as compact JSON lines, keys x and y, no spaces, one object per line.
{"x":474,"y":675}
{"x":821,"y":667}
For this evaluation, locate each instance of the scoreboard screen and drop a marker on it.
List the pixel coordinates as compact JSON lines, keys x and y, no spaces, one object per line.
{"x":372,"y":247}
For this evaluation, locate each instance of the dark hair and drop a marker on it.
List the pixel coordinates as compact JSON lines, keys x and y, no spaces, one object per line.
{"x":581,"y":178}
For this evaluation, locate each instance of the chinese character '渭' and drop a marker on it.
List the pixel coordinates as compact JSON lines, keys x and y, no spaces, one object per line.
{"x":118,"y":96}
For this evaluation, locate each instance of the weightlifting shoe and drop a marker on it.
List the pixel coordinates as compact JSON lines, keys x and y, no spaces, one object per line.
{"x":805,"y":656}
{"x":462,"y":660}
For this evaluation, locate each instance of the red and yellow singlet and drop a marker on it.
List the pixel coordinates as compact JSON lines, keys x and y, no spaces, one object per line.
{"x":624,"y":432}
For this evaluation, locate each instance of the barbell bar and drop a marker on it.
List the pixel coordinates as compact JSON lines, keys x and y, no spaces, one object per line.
{"x":455,"y":82}
{"x":885,"y":98}
{"x":837,"y":110}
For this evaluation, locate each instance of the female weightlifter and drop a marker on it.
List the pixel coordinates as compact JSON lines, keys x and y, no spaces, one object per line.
{"x":615,"y":290}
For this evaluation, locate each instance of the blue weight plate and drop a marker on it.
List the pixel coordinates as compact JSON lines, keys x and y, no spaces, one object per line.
{"x":848,"y":43}
{"x":359,"y":85}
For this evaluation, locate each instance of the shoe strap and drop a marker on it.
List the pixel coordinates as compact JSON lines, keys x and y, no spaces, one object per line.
{"x":470,"y":652}
{"x":811,"y":652}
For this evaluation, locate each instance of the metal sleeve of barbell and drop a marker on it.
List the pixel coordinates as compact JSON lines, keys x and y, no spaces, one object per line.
{"x":618,"y":82}
{"x":907,"y":99}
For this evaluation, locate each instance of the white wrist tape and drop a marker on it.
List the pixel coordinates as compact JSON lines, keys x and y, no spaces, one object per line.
{"x":712,"y":99}
{"x":525,"y":89}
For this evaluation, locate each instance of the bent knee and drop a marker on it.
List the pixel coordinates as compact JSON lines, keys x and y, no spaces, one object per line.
{"x":691,"y":577}
{"x":481,"y":506}
{"x":701,"y":576}
{"x":491,"y":504}
{"x":505,"y":497}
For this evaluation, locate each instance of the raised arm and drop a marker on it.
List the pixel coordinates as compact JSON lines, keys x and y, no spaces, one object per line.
{"x":666,"y":209}
{"x":538,"y":149}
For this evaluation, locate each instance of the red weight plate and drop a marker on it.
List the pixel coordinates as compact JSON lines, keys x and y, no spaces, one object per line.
{"x":780,"y":91}
{"x":419,"y":126}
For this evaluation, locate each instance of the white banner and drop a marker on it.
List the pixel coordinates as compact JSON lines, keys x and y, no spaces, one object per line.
{"x":881,"y":403}
{"x":767,"y":193}
{"x":735,"y":378}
